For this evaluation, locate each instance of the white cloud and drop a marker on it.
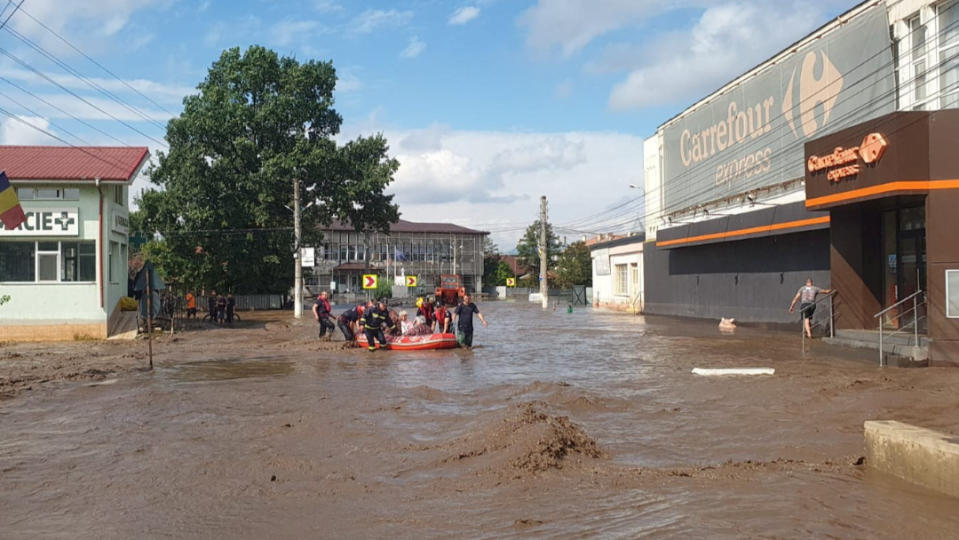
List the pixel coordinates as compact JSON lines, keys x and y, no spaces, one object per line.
{"x":326,"y":6}
{"x":87,"y":23}
{"x":161,"y":92}
{"x":492,"y":180}
{"x":16,"y":132}
{"x":347,"y":81}
{"x":292,"y":31}
{"x":373,"y":19}
{"x":464,"y":15}
{"x":414,"y":49}
{"x":96,"y":109}
{"x":570,"y":25}
{"x":225,"y":33}
{"x":684,"y":65}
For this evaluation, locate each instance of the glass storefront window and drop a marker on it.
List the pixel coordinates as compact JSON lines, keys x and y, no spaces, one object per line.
{"x":17,"y":261}
{"x":952,"y":294}
{"x":32,"y":262}
{"x":79,"y":261}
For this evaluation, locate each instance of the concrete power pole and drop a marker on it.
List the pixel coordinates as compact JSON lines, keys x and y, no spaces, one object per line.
{"x":297,"y":263}
{"x":543,"y":286}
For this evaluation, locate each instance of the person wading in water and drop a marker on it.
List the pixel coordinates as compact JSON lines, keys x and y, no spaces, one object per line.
{"x":372,"y":321}
{"x":806,"y":296}
{"x":463,"y":316}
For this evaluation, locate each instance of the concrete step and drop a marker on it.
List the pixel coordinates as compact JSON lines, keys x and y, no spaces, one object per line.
{"x":124,"y":326}
{"x":872,"y":337}
{"x":896,"y":352}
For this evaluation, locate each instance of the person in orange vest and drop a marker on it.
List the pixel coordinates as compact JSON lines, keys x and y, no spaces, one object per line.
{"x":190,"y":305}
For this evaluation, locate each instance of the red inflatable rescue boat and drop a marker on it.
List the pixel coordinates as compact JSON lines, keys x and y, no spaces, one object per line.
{"x":413,"y":343}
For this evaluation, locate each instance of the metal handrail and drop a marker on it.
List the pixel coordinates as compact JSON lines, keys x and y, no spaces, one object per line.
{"x":910,"y":297}
{"x":915,"y":322}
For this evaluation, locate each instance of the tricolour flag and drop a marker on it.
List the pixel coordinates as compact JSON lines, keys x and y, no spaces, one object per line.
{"x":11,"y":213}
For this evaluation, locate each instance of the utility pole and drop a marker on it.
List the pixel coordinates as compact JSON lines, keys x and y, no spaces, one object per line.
{"x":297,"y":263}
{"x":543,"y":286}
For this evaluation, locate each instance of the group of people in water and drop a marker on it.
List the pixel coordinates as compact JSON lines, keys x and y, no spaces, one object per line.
{"x":377,"y":321}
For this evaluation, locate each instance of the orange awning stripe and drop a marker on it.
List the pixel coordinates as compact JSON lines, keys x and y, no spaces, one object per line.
{"x":883,"y":189}
{"x":744,"y":232}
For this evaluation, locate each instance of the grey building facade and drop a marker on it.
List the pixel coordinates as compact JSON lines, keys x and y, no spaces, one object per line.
{"x":424,"y":250}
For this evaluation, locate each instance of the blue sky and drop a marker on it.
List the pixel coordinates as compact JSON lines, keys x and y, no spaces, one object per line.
{"x":488,"y":104}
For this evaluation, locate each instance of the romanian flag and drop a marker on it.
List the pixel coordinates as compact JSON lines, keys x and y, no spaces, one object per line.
{"x":11,"y":213}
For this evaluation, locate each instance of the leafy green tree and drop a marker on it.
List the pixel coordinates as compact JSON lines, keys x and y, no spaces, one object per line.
{"x":527,"y":249}
{"x":384,"y":288}
{"x":257,"y":122}
{"x":502,"y":272}
{"x":491,"y":260}
{"x":575,"y":266}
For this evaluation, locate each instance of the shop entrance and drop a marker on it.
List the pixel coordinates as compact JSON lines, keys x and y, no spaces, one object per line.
{"x":904,"y":250}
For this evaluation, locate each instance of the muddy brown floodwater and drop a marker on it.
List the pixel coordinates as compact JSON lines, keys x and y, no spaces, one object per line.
{"x":556,"y":425}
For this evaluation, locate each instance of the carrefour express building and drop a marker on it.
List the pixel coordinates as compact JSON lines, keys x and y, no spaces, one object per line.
{"x":65,"y":268}
{"x":835,"y":159}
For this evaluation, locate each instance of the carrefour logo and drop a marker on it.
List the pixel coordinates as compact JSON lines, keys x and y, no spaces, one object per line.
{"x":46,"y":222}
{"x":813,"y":91}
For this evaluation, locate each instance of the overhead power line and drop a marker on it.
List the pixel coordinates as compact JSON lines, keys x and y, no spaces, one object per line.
{"x":4,"y":23}
{"x":94,"y":62}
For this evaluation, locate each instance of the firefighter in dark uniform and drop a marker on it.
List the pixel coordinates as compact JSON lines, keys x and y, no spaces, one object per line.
{"x":373,"y":321}
{"x":348,"y":319}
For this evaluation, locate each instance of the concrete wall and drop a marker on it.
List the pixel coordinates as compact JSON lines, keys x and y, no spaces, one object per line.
{"x":918,"y":455}
{"x":752,"y":280}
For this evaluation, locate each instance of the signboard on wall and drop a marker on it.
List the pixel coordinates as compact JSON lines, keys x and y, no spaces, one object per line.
{"x":601,"y":262}
{"x":752,"y":135}
{"x":46,"y":222}
{"x":307,"y":257}
{"x":121,"y":221}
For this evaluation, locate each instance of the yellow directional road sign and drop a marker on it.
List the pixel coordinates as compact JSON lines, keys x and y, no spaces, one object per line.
{"x":411,"y":281}
{"x":510,"y":282}
{"x":369,"y":281}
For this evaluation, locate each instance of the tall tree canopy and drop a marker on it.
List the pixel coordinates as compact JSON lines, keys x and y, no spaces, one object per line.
{"x":527,"y":249}
{"x":257,"y":122}
{"x":575,"y":266}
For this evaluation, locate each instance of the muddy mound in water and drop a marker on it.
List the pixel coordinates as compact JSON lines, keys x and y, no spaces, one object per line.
{"x":526,"y":440}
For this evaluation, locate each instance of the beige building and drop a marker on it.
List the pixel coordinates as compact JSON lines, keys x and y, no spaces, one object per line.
{"x":618,"y":272}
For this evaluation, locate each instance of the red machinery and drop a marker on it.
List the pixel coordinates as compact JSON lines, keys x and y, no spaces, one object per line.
{"x":450,"y":290}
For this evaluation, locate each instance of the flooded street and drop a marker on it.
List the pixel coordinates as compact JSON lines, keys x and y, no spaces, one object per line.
{"x":556,"y":425}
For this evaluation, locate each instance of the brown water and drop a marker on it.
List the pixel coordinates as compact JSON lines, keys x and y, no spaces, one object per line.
{"x":556,"y":425}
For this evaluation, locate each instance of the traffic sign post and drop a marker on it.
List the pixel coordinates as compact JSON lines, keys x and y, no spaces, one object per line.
{"x":369,"y":281}
{"x":411,"y":281}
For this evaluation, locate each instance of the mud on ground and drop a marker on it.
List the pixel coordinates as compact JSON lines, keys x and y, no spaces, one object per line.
{"x":30,"y":366}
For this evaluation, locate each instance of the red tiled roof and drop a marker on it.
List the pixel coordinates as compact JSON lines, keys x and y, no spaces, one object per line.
{"x":411,"y":227}
{"x":112,"y":163}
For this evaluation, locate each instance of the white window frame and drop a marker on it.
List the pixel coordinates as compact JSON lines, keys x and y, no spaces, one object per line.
{"x":949,"y":292}
{"x":37,"y":253}
{"x":621,"y":287}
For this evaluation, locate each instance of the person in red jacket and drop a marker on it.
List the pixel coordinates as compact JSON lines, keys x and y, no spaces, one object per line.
{"x":426,"y":311}
{"x":321,"y":312}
